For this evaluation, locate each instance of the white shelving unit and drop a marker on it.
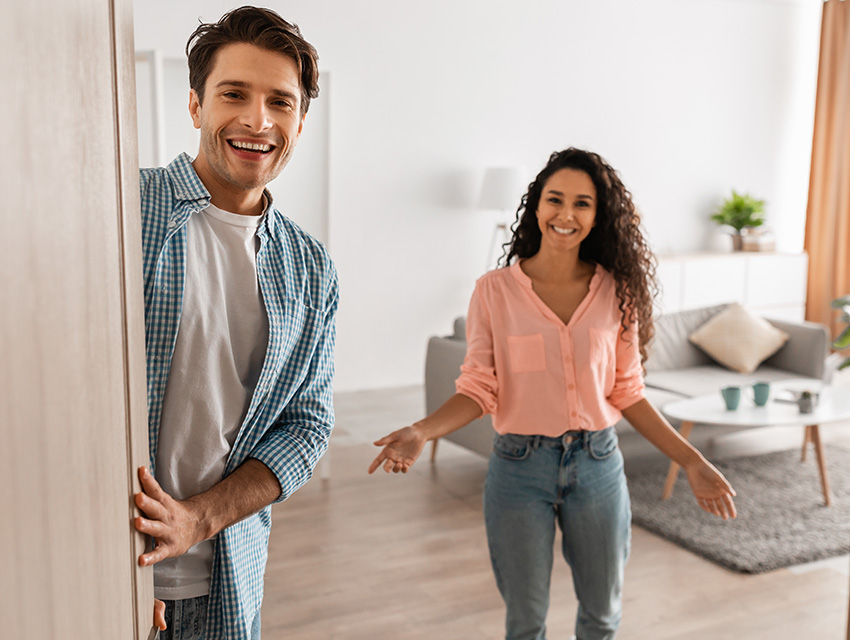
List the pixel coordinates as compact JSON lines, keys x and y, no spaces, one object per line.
{"x":771,"y":284}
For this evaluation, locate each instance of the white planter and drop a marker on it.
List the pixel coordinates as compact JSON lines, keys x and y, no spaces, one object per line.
{"x":835,"y":377}
{"x":842,"y":379}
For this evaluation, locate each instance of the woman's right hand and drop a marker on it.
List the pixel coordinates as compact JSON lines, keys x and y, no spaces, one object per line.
{"x":400,"y":450}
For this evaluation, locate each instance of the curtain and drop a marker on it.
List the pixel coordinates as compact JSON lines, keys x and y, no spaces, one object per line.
{"x":828,"y":215}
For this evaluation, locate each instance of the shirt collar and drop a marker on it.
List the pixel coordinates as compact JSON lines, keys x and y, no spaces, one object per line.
{"x":187,"y":184}
{"x":521,"y":277}
{"x":189,"y":188}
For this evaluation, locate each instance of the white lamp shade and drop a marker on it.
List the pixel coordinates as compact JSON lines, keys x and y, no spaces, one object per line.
{"x":502,"y":188}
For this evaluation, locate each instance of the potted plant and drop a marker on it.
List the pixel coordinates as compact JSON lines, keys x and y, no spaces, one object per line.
{"x":741,"y":211}
{"x":843,"y":341}
{"x":806,"y":402}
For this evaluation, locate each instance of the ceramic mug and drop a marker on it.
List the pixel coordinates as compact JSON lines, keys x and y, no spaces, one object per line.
{"x":731,"y":396}
{"x":761,"y":393}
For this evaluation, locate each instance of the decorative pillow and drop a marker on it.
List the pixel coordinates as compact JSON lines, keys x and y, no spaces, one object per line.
{"x":738,"y":339}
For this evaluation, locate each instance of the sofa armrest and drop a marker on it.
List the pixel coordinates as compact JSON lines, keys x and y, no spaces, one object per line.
{"x":442,"y":367}
{"x":806,"y":349}
{"x":459,"y":327}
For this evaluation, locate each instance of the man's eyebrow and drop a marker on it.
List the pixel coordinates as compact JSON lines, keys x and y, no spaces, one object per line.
{"x":246,"y":85}
{"x":233,"y":83}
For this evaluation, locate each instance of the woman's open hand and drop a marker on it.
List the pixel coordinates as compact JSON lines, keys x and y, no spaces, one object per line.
{"x":400,"y":450}
{"x":712,"y":490}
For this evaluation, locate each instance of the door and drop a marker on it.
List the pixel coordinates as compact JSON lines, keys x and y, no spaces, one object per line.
{"x":72,"y":394}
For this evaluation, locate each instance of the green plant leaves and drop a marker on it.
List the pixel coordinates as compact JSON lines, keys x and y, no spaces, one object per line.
{"x":739,"y":211}
{"x":843,"y":341}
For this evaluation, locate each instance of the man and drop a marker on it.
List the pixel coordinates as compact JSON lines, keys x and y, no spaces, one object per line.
{"x":240,"y":306}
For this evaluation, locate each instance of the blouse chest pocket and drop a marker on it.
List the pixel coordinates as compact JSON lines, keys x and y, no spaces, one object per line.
{"x":603,"y":356}
{"x":526,"y":353}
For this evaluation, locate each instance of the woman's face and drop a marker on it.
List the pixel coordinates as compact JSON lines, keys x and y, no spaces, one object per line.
{"x":567,"y":210}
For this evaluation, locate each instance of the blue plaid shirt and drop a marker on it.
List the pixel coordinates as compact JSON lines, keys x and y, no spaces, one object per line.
{"x":290,"y":415}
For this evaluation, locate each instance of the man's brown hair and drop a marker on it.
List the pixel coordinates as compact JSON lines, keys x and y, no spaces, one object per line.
{"x":262,"y":28}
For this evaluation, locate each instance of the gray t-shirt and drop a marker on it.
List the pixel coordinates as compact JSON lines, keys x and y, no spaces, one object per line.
{"x":220,"y":348}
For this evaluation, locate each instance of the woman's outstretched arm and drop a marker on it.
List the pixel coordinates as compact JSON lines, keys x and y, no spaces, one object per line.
{"x":401,"y":448}
{"x":712,"y":490}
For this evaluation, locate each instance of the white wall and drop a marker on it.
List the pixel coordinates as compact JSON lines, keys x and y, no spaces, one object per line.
{"x":686,"y":99}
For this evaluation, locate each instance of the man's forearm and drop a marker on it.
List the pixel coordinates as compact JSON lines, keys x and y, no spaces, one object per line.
{"x":248,"y":489}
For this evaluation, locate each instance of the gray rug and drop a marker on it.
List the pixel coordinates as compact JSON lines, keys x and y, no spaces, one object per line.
{"x":781,"y":519}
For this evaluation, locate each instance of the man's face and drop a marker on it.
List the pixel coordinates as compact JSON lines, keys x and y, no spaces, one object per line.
{"x":250,"y":118}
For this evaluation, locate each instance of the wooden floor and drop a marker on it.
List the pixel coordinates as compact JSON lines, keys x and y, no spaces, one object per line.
{"x":404,"y":557}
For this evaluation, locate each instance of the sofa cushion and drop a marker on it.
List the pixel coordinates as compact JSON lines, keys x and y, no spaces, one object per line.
{"x":658,"y":398}
{"x":738,"y":339}
{"x":697,"y":381}
{"x":670,"y":348}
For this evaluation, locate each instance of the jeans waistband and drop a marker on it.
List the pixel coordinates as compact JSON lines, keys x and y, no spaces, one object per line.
{"x":562,"y":441}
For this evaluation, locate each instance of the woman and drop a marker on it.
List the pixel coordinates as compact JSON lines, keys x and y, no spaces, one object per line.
{"x":556,"y":342}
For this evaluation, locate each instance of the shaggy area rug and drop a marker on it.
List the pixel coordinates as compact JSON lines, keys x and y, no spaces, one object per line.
{"x":782,"y":519}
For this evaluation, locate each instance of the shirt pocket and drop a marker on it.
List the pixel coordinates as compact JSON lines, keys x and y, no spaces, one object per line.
{"x":526,"y":353}
{"x":300,"y":324}
{"x":603,"y":357}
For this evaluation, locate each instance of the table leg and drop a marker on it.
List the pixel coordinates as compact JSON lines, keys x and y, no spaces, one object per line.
{"x":824,"y":476}
{"x":807,"y":438}
{"x":434,"y":449}
{"x":684,"y":431}
{"x":324,"y":466}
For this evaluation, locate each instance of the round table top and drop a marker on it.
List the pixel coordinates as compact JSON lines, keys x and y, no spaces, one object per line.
{"x":833,"y":405}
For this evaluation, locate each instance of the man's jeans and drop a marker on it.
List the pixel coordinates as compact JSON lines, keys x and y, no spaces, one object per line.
{"x":576,"y":480}
{"x":187,"y":620}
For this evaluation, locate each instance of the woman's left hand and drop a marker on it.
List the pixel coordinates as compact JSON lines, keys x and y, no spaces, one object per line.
{"x":712,"y":490}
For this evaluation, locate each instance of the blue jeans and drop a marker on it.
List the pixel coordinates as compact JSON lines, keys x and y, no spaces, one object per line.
{"x":187,"y":620}
{"x":576,"y":480}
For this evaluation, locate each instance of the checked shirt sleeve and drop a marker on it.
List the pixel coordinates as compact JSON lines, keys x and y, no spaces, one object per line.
{"x":298,"y":439}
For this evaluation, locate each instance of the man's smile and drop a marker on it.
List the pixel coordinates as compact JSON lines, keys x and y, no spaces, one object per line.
{"x":251,"y":147}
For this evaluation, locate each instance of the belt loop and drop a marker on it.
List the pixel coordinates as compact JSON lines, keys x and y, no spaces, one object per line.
{"x":535,"y":443}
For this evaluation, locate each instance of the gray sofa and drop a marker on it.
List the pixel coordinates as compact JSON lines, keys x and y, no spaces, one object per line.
{"x":675,"y":369}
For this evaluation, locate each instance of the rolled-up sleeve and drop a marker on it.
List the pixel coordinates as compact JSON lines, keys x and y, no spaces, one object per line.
{"x":478,"y":372}
{"x":628,"y":377}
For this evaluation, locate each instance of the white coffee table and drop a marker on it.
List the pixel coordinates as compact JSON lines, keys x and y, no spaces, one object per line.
{"x":834,"y":405}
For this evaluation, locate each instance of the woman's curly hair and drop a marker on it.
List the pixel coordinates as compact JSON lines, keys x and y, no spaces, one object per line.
{"x":615,"y":242}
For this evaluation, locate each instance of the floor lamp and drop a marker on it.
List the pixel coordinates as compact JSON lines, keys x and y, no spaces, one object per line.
{"x":501,"y":191}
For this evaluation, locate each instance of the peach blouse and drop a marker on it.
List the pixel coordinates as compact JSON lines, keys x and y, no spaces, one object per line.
{"x":538,"y":376}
